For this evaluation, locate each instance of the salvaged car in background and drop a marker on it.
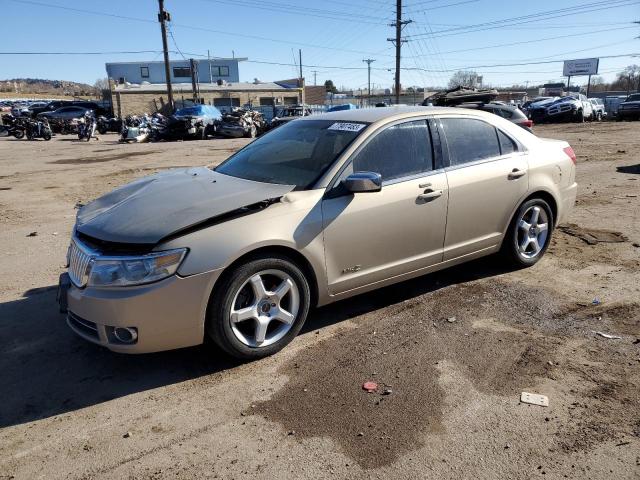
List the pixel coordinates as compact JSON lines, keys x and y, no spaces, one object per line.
{"x":479,"y":99}
{"x":599,"y":112}
{"x":286,"y":114}
{"x":315,"y":211}
{"x":510,"y":112}
{"x":194,"y":122}
{"x":574,"y":107}
{"x":630,"y":108}
{"x":241,"y":122}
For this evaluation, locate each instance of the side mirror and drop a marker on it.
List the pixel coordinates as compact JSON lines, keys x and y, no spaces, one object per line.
{"x":360,"y":182}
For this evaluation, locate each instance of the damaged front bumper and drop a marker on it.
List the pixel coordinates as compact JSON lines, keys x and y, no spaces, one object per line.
{"x":164,"y":315}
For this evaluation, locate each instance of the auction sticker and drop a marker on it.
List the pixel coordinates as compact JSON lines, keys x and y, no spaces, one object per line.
{"x":347,"y":127}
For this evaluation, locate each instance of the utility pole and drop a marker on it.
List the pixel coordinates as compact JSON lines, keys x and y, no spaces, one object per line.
{"x":300,"y":62}
{"x":397,"y":42}
{"x":315,"y":73}
{"x":301,"y":83}
{"x":194,"y":81}
{"x":369,"y":61}
{"x":164,"y":16}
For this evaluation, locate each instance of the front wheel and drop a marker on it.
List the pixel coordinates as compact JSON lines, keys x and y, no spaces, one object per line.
{"x":46,"y":136}
{"x":529,"y":233}
{"x":580,"y":116}
{"x":18,"y":134}
{"x":258,"y":307}
{"x":102,"y":130}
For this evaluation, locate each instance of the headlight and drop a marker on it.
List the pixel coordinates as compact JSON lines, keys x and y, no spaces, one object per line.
{"x":125,"y":271}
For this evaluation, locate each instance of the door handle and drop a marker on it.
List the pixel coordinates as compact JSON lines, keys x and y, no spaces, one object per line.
{"x":515,"y":173}
{"x":430,"y":195}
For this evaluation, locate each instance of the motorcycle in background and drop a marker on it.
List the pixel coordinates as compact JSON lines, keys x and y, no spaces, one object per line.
{"x":15,"y":126}
{"x":39,"y":128}
{"x":105,"y":125}
{"x":86,"y":128}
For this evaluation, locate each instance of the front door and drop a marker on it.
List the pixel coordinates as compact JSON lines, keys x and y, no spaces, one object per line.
{"x":370,"y":237}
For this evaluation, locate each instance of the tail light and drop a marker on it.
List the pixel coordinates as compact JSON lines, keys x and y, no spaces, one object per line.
{"x":528,"y":123}
{"x":571,"y":154}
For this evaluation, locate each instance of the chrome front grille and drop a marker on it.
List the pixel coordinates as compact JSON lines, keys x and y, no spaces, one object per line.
{"x":79,"y":259}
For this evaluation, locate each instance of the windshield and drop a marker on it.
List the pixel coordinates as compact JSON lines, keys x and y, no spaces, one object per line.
{"x":296,"y":153}
{"x":633,"y":98}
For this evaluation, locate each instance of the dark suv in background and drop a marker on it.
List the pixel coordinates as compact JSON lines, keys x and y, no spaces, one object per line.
{"x":630,"y":108}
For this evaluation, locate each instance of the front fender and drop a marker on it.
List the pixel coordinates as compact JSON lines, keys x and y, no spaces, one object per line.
{"x":295,"y":222}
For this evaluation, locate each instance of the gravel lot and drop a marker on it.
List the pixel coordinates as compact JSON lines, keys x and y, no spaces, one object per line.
{"x":73,"y":410}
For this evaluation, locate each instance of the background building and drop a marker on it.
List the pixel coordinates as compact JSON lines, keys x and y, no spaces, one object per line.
{"x":139,"y":99}
{"x":208,"y":71}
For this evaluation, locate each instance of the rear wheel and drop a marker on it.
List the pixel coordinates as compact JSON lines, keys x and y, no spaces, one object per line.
{"x":529,"y":233}
{"x":18,"y":134}
{"x":258,"y":307}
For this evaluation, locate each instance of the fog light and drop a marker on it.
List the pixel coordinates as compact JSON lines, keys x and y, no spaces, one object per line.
{"x":125,"y":334}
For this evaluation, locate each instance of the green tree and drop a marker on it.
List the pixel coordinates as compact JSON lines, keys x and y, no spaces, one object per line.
{"x":330,"y":87}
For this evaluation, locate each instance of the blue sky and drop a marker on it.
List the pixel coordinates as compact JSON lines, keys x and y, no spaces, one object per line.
{"x":331,"y":33}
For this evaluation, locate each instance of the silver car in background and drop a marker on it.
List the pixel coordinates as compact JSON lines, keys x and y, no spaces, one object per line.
{"x":318,"y":210}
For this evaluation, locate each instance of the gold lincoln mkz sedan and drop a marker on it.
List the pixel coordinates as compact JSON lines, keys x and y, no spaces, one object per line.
{"x":318,"y":210}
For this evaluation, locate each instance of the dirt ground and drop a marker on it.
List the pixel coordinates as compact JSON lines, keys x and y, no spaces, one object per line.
{"x":451,"y":351}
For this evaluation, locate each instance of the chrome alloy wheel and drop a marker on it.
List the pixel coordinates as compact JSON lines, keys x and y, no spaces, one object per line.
{"x":264,"y":308}
{"x":533,"y":231}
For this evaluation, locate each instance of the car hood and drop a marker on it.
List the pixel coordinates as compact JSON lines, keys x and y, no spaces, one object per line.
{"x":154,"y":207}
{"x":543,"y":103}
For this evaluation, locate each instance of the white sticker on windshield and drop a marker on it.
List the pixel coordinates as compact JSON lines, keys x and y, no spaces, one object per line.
{"x":347,"y":127}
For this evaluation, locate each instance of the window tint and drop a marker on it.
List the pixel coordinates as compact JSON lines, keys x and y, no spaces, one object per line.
{"x":506,"y":113}
{"x":469,"y":140}
{"x":296,"y":153}
{"x":397,"y":152}
{"x":506,"y":144}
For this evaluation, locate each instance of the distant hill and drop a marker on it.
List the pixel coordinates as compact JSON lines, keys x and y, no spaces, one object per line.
{"x":50,"y":87}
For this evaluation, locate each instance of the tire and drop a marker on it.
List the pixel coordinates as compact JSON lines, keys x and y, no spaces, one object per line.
{"x":201,"y":134}
{"x":236,"y":291}
{"x":18,"y":134}
{"x":102,"y":130}
{"x":599,"y":117}
{"x":513,"y":241}
{"x":580,"y":116}
{"x":46,"y":136}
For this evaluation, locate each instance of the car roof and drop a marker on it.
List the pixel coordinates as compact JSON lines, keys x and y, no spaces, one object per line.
{"x":375,"y":114}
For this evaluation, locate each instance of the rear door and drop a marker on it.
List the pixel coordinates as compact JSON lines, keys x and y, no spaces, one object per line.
{"x":373,"y":236}
{"x":487,"y":176}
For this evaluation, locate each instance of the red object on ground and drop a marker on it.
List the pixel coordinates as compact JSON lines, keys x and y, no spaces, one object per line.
{"x":370,"y":386}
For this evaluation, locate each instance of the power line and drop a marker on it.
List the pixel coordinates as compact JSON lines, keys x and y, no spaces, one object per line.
{"x":193,"y":27}
{"x":511,"y":21}
{"x":523,"y":42}
{"x":265,"y":62}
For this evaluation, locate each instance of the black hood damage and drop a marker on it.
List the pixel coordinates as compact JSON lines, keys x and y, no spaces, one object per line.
{"x":159,"y":206}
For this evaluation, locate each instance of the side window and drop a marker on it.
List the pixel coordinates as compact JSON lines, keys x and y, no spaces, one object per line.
{"x":507,"y":145}
{"x":506,"y":113}
{"x":396,"y":152}
{"x":469,"y":140}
